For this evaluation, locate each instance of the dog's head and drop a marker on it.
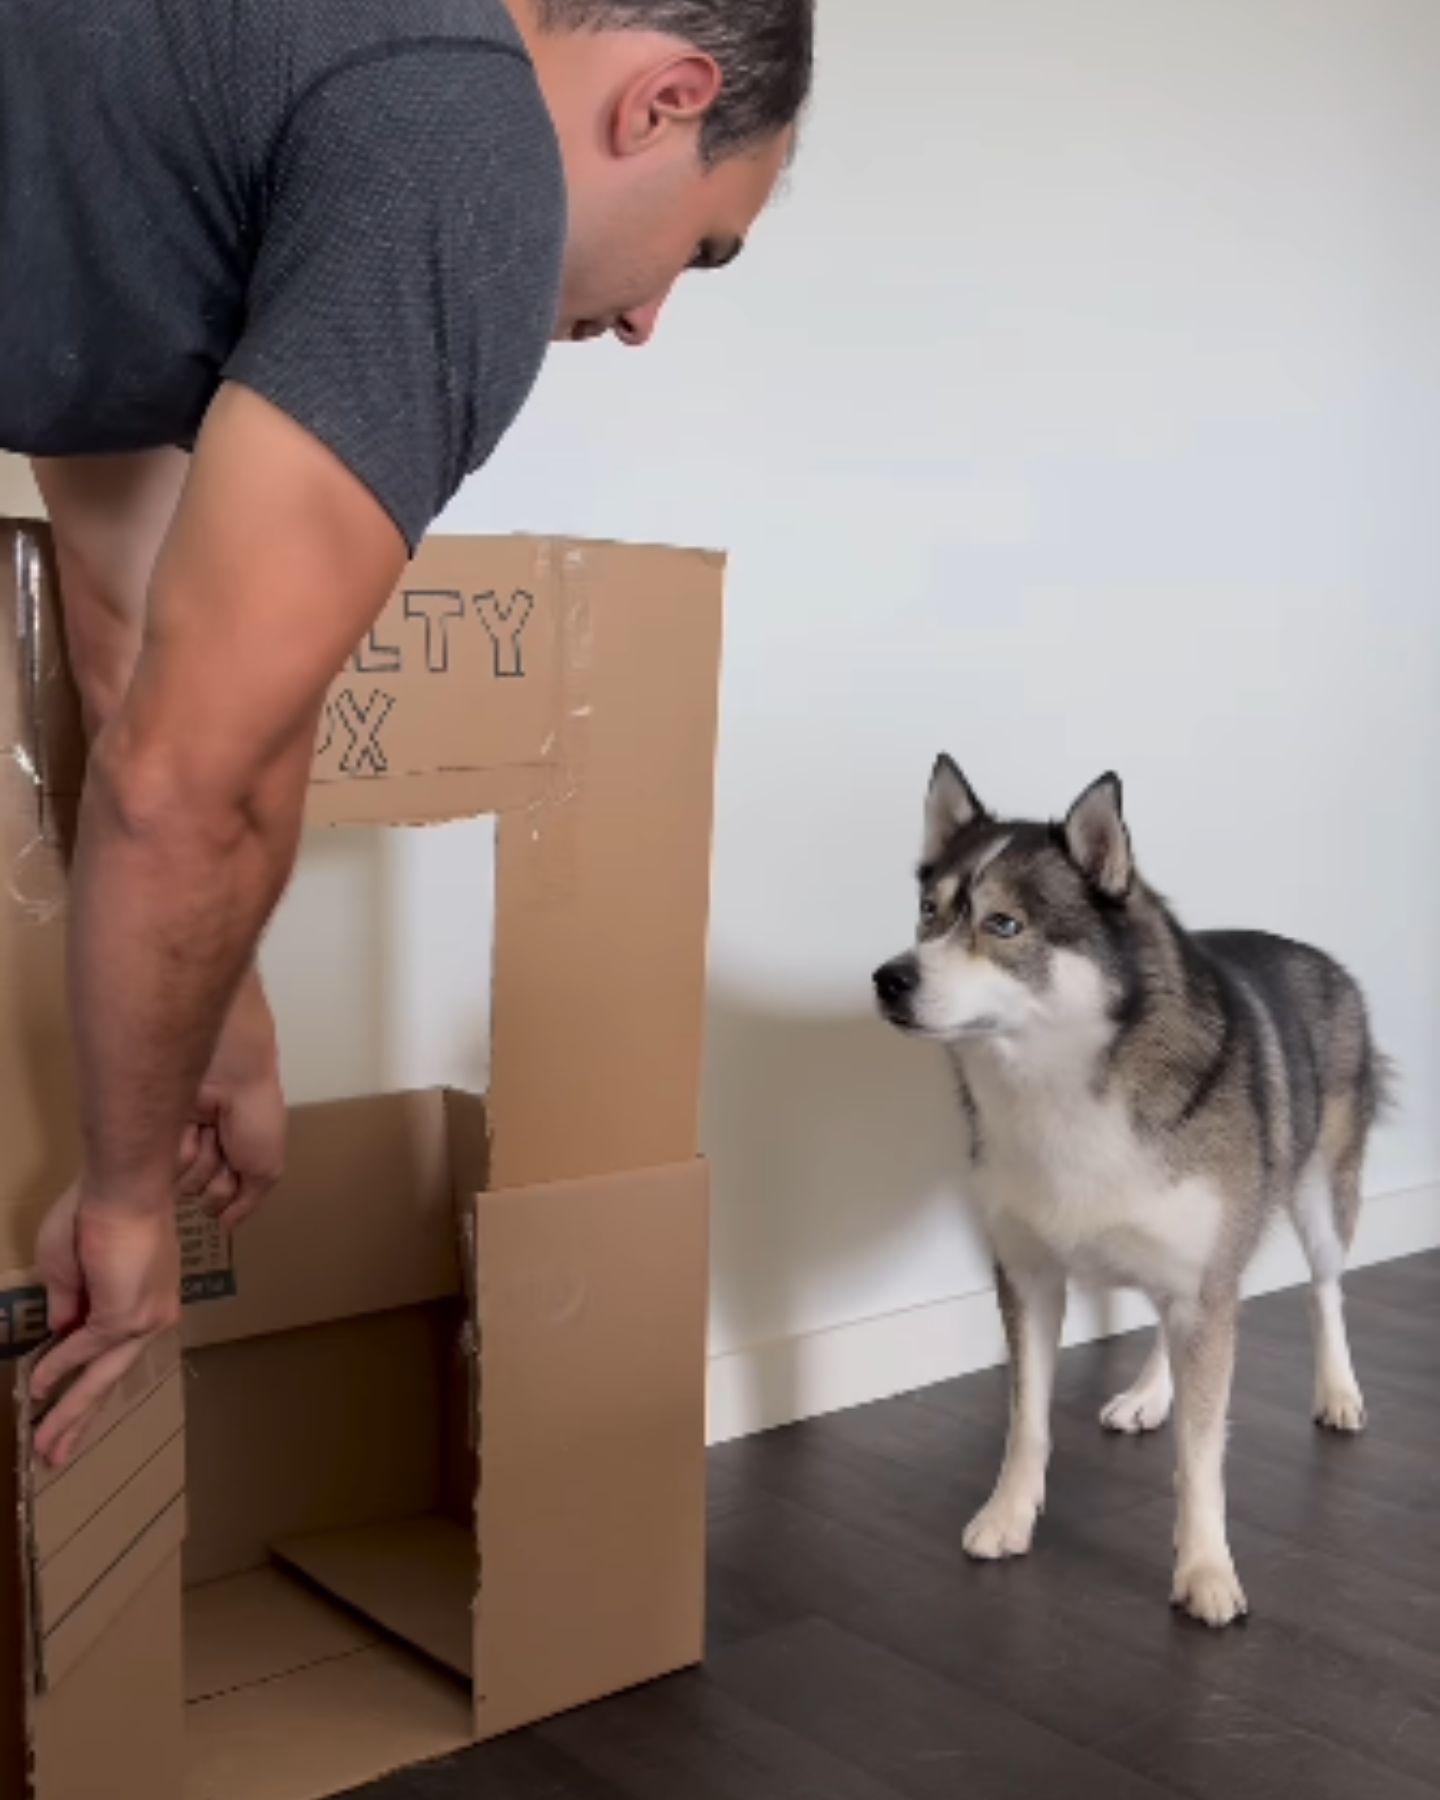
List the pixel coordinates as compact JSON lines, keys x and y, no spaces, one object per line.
{"x":1022,"y":925}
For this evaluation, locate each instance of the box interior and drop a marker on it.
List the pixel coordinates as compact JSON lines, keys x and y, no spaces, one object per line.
{"x":350,"y":1553}
{"x":331,"y":1565}
{"x":330,"y":1569}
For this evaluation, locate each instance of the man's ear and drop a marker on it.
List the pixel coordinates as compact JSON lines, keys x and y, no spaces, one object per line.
{"x":675,"y":92}
{"x":950,"y":806}
{"x":1099,"y":840}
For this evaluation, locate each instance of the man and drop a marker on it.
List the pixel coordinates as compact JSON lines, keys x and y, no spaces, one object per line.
{"x":274,"y":277}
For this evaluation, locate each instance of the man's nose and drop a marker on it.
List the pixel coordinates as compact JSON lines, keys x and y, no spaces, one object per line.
{"x":637,"y":326}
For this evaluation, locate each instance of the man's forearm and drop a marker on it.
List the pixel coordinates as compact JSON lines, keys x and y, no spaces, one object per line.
{"x":171,"y":893}
{"x":105,"y":622}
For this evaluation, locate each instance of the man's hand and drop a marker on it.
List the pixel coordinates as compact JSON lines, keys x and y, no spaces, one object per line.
{"x":233,"y":1151}
{"x":112,"y":1282}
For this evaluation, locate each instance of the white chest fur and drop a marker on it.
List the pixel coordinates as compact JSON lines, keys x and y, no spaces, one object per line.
{"x":1063,"y":1175}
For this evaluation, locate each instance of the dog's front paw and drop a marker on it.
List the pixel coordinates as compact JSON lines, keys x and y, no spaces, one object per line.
{"x":1004,"y":1528}
{"x":1209,"y":1590}
{"x":1137,"y":1410}
{"x":1340,"y":1409}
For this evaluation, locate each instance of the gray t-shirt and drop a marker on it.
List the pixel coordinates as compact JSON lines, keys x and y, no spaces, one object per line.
{"x":354,"y":207}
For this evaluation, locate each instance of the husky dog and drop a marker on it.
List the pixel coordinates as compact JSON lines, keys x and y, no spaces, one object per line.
{"x":1138,"y":1100}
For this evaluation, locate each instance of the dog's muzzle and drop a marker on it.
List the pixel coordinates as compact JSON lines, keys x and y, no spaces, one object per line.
{"x":895,"y":986}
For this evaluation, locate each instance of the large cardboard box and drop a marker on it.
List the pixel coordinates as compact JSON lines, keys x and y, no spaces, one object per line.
{"x":426,"y":1461}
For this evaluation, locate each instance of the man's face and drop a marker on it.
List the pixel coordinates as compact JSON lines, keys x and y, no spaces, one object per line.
{"x":634,"y":237}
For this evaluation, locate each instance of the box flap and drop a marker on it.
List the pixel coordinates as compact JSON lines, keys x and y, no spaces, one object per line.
{"x":97,"y":1531}
{"x":65,"y":1499}
{"x":101,"y":1573}
{"x":119,"y":1710}
{"x":467,"y":1124}
{"x":592,"y":1302}
{"x":416,"y":1577}
{"x":363,"y":1222}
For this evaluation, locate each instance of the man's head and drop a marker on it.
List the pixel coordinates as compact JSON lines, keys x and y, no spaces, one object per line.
{"x":676,"y":119}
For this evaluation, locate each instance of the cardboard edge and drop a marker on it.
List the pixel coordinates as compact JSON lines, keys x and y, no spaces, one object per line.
{"x":22,"y":1433}
{"x":678,"y":1193}
{"x":414,"y":1578}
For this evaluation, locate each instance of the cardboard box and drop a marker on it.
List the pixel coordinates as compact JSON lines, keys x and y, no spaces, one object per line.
{"x":426,"y":1461}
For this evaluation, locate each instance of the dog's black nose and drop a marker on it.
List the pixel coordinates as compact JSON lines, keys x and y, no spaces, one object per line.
{"x":896,"y":981}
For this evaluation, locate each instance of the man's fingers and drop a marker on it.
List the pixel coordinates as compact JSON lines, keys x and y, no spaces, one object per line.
{"x":253,"y":1190}
{"x":63,"y":1427}
{"x":204,"y":1167}
{"x":240,"y":1210}
{"x":71,"y":1353}
{"x":222,"y":1192}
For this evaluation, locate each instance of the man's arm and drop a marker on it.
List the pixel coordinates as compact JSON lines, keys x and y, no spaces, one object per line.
{"x":277,"y":562}
{"x":110,"y":516}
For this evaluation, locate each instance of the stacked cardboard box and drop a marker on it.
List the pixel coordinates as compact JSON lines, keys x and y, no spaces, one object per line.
{"x":426,"y":1461}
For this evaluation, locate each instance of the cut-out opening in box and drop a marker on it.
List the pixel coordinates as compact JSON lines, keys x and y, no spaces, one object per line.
{"x":378,"y":961}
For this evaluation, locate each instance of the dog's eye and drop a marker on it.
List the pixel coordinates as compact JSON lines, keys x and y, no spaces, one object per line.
{"x":929,"y":911}
{"x":1001,"y":925}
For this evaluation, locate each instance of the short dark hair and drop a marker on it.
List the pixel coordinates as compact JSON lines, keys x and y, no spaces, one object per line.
{"x":765,"y":50}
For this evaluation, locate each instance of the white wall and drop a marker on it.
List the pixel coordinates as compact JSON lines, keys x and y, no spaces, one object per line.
{"x":1079,"y":406}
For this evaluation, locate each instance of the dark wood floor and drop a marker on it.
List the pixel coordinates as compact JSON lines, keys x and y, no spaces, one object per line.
{"x":856,"y":1655}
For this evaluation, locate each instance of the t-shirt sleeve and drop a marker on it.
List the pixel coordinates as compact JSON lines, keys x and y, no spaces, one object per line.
{"x":406,"y":281}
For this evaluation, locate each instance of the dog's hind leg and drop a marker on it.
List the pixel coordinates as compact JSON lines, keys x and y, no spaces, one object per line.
{"x":1145,"y":1405}
{"x":1325,"y":1209}
{"x":1032,"y":1303}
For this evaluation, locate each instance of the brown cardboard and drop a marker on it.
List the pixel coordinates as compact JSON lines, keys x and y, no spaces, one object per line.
{"x":115,"y":1711}
{"x":441,"y":1405}
{"x":14,"y":1647}
{"x":603,"y":893}
{"x":592,"y":1371}
{"x":415,"y":1577}
{"x":321,"y":1731}
{"x":312,"y":1430}
{"x":97,"y":1532}
{"x":315,"y":1251}
{"x":258,"y":1627}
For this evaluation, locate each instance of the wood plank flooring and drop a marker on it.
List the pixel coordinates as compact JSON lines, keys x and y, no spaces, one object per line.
{"x":857,"y":1655}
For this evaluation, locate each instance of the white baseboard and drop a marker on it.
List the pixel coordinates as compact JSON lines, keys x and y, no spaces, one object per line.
{"x":795,"y":1378}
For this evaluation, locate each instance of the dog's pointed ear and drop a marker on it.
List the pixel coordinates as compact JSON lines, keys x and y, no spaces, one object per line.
{"x":1099,"y":840}
{"x":950,"y":806}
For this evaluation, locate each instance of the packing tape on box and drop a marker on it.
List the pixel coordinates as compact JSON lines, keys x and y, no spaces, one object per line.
{"x":551,"y":819}
{"x":40,"y":719}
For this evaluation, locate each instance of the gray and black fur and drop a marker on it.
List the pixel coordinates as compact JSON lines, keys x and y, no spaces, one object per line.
{"x":1139,"y":1100}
